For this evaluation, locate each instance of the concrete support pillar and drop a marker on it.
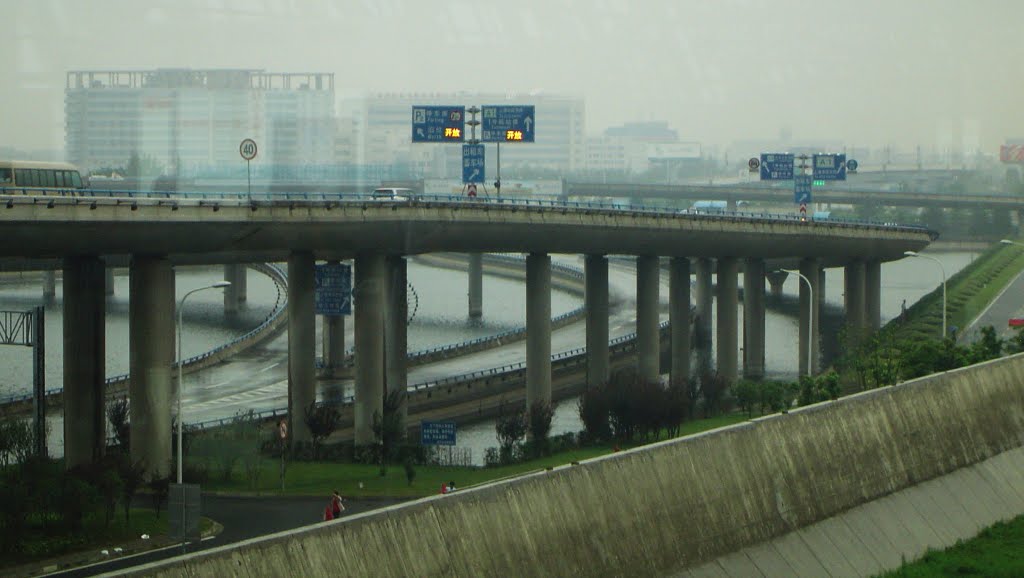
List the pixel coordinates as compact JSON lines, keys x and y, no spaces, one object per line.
{"x":235,"y":294}
{"x":108,"y":281}
{"x":371,"y":274}
{"x":810,"y":315}
{"x":776,"y":279}
{"x":854,"y":285}
{"x":301,"y":343}
{"x":476,"y":284}
{"x":702,"y":325}
{"x":727,"y":342}
{"x":538,"y":328}
{"x":819,"y":293}
{"x":873,"y":295}
{"x":753,"y":318}
{"x":84,"y":360}
{"x":332,"y":329}
{"x":396,"y":337}
{"x":679,"y":318}
{"x":648,"y":350}
{"x":151,"y":354}
{"x":49,"y":285}
{"x":596,"y":301}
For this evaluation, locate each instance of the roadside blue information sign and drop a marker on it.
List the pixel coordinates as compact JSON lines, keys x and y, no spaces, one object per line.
{"x":438,"y":123}
{"x":437,"y":433}
{"x":829,"y":167}
{"x":802,"y":189}
{"x":332,"y":289}
{"x":472,"y":163}
{"x":508,"y":123}
{"x":776,"y":166}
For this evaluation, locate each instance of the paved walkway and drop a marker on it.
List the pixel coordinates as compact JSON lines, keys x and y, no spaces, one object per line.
{"x":242,"y":518}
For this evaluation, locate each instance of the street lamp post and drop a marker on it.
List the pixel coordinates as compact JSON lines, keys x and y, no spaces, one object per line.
{"x":810,"y":319}
{"x":181,"y":359}
{"x":943,"y":269}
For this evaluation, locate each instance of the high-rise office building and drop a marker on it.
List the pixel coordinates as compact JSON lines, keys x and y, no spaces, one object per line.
{"x":188,"y":120}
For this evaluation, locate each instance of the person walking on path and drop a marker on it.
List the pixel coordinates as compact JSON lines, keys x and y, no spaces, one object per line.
{"x":337,"y":507}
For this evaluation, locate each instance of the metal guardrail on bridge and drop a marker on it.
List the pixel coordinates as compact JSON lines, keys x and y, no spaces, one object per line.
{"x":95,"y":198}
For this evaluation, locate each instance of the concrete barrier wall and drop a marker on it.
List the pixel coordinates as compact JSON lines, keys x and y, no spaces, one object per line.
{"x":669,"y":506}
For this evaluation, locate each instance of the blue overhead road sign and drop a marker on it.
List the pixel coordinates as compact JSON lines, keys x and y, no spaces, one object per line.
{"x":332,"y":289}
{"x":438,"y":123}
{"x":473,"y":163}
{"x":776,"y":166}
{"x":507,"y":123}
{"x":830,"y":167}
{"x":802,"y":189}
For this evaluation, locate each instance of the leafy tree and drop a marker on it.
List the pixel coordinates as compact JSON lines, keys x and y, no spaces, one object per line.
{"x":593,"y":411}
{"x":132,"y":478}
{"x":159,"y":488}
{"x":510,"y":428}
{"x":321,"y":419}
{"x":1016,"y":343}
{"x":540,"y":415}
{"x":117,"y":415}
{"x":678,"y":405}
{"x":776,"y":396}
{"x":712,"y":389}
{"x":990,"y":346}
{"x":16,"y":441}
{"x":387,"y":428}
{"x":748,"y":396}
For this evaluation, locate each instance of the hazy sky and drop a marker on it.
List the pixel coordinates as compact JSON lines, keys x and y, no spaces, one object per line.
{"x":863,"y":73}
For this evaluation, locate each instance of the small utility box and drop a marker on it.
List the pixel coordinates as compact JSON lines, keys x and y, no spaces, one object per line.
{"x":183,"y":510}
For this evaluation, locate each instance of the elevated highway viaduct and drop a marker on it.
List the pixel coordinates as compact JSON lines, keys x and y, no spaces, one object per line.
{"x":784,"y":194}
{"x":153,"y":235}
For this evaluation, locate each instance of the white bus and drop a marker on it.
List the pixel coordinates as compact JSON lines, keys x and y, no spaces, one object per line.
{"x":40,"y":175}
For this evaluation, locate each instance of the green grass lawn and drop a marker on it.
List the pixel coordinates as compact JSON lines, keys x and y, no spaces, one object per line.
{"x":365,"y":481}
{"x":997,"y":552}
{"x":40,"y":542}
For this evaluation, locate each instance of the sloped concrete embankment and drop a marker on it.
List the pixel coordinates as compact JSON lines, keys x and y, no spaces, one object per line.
{"x":666,"y":507}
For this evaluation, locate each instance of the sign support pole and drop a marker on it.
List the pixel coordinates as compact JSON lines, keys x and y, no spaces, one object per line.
{"x":497,"y":183}
{"x":39,"y":379}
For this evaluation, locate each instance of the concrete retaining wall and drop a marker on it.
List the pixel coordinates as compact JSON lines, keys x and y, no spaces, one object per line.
{"x":663,"y":508}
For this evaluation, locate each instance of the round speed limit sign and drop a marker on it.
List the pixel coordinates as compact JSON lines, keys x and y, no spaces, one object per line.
{"x":247,"y":149}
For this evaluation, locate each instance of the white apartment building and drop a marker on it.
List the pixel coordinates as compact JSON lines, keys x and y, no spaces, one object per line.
{"x":187,"y":119}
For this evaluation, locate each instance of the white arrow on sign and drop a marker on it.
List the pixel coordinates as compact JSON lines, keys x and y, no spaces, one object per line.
{"x":528,"y":121}
{"x":419,"y":131}
{"x":473,"y":174}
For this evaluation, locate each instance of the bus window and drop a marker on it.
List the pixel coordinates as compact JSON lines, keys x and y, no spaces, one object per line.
{"x":60,"y":178}
{"x":76,"y":180}
{"x":49,"y":178}
{"x":6,"y":177}
{"x":34,"y":178}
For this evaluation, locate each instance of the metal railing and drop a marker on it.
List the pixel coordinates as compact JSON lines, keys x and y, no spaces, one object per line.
{"x":560,"y":361}
{"x":97,"y":197}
